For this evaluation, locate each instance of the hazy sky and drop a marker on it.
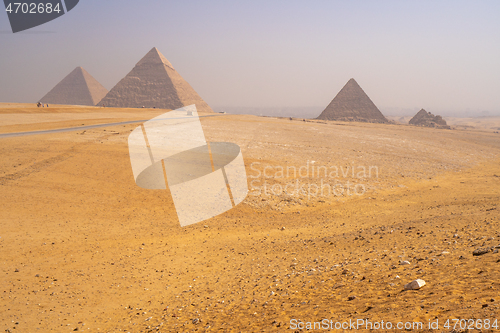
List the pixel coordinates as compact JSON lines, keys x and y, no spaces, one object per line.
{"x":443,"y":56}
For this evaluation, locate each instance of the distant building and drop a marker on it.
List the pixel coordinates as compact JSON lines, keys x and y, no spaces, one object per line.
{"x":352,"y":104}
{"x":154,"y":82}
{"x":427,"y":119}
{"x":78,"y":88}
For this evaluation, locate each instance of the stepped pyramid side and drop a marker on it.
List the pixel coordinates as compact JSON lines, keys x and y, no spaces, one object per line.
{"x":153,"y":82}
{"x":427,"y":119}
{"x":352,"y":104}
{"x":77,"y":88}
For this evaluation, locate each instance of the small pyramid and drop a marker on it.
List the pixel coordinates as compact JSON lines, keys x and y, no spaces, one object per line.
{"x":154,"y":82}
{"x":352,"y":104}
{"x":78,"y":88}
{"x":427,"y":119}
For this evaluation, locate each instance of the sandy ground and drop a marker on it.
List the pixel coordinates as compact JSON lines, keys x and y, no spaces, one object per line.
{"x":84,"y":249}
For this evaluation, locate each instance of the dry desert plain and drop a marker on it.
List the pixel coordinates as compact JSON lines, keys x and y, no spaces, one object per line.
{"x":85,"y":249}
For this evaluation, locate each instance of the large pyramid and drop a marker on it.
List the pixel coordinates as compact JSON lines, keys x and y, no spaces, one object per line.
{"x":427,"y":119}
{"x":154,"y":82}
{"x":78,"y":88}
{"x":352,"y":104}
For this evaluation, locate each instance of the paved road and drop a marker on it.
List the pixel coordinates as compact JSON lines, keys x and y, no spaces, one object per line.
{"x":80,"y":128}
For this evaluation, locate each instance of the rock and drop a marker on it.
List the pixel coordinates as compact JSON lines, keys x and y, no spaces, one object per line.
{"x":283,"y":228}
{"x":480,"y":251}
{"x":196,"y":321}
{"x":415,"y":285}
{"x":495,"y":251}
{"x":444,"y":253}
{"x":497,"y":247}
{"x":404,"y":262}
{"x":351,"y":298}
{"x":16,"y":270}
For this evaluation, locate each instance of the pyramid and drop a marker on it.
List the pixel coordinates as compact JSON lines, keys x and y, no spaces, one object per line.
{"x":78,"y":88}
{"x":154,"y":82}
{"x":352,"y":104}
{"x":427,"y":119}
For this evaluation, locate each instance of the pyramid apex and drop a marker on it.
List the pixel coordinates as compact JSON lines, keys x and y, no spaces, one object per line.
{"x":154,"y":57}
{"x":352,"y":81}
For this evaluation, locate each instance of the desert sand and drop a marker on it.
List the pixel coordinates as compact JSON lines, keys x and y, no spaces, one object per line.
{"x":85,"y":249}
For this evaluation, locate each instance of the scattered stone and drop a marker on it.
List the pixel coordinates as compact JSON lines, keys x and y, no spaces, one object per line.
{"x":351,"y":298}
{"x":404,"y":262}
{"x":415,"y":285}
{"x":196,"y":321}
{"x":480,"y":251}
{"x":495,"y":251}
{"x":444,"y":253}
{"x":16,"y":270}
{"x":282,"y":228}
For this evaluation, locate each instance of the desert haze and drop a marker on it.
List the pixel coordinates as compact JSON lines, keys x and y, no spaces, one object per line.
{"x":83,"y":248}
